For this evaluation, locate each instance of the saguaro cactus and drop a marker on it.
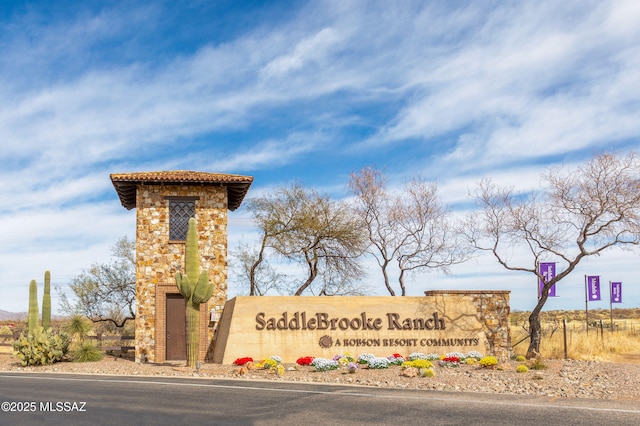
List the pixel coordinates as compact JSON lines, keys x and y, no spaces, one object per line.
{"x":196,"y":289}
{"x":46,"y":301}
{"x":33,"y":306}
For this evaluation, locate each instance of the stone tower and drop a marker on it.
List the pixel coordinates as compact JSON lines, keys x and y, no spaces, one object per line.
{"x":165,"y":201}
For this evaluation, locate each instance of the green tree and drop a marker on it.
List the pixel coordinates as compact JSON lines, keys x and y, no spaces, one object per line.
{"x":579,"y":213}
{"x":106,"y":292}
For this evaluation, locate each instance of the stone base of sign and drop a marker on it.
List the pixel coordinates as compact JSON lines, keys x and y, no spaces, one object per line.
{"x":291,"y":327}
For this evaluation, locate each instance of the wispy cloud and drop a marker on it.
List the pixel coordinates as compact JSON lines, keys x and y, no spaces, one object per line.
{"x":453,"y":91}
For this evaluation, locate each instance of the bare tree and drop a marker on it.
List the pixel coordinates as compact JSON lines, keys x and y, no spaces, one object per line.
{"x":579,"y":213}
{"x":106,"y":292}
{"x":251,"y":267}
{"x":413,"y":228}
{"x":311,"y":230}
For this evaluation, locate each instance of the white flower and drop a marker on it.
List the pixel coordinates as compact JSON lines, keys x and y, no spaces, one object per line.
{"x":365,"y":358}
{"x":474,"y":354}
{"x":323,"y":364}
{"x":378,"y":363}
{"x":458,"y":355}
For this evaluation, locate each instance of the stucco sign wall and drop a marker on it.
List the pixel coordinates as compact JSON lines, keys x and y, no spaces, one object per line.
{"x":291,"y":327}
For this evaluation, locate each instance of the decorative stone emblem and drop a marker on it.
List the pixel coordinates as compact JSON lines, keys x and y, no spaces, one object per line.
{"x":325,"y":342}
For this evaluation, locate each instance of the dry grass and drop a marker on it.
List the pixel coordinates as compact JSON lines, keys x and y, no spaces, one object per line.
{"x":594,"y":346}
{"x":599,"y":344}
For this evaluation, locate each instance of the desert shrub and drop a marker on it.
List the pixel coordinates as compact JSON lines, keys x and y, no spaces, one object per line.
{"x":8,"y":332}
{"x":41,"y":347}
{"x":489,"y":361}
{"x":87,"y":352}
{"x":522,"y":369}
{"x":520,"y":358}
{"x":427,"y":372}
{"x":538,"y":364}
{"x":77,"y":328}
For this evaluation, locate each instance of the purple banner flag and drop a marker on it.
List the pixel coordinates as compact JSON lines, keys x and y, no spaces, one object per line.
{"x":593,"y":288}
{"x":548,"y":271}
{"x":616,"y":292}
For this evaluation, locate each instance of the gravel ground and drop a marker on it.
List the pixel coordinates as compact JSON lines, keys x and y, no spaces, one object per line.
{"x":561,"y":378}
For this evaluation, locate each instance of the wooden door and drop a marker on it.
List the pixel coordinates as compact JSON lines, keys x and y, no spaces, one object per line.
{"x":176,"y":328}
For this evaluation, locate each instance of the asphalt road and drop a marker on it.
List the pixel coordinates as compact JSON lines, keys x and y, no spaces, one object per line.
{"x":30,"y":398}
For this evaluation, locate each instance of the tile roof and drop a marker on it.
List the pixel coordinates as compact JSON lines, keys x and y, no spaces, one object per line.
{"x":127,"y":183}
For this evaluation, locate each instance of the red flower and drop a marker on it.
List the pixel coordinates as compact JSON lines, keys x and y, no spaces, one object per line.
{"x":243,"y":361}
{"x":397,"y":356}
{"x":451,"y":359}
{"x":305,"y":360}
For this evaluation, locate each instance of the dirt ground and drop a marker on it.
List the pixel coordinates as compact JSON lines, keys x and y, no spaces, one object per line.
{"x":560,"y":378}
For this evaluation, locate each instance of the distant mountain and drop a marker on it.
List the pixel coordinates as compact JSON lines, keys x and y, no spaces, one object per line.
{"x":21,"y":316}
{"x":16,"y":316}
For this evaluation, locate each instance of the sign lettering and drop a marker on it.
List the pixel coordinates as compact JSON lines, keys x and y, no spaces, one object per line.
{"x":363,"y":322}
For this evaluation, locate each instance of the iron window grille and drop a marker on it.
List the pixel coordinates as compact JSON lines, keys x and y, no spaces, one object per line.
{"x":180,"y":211}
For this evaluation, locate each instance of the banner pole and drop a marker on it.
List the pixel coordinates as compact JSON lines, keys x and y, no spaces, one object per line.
{"x":586,"y":304}
{"x":538,"y":280}
{"x":611,"y":303}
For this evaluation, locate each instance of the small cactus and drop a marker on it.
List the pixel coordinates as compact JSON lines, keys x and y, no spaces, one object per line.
{"x":40,"y":347}
{"x":46,"y":301}
{"x":33,"y":306}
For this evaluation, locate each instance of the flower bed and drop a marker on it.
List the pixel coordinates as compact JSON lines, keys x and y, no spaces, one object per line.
{"x":305,"y":360}
{"x":243,"y":361}
{"x":416,"y":364}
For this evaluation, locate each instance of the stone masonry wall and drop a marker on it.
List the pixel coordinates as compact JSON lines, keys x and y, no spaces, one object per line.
{"x":492,"y":310}
{"x":158,"y":259}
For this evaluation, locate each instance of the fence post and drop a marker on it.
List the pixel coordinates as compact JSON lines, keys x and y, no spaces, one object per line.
{"x":564,"y":331}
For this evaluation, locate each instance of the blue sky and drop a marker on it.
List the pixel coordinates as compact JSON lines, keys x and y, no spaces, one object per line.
{"x":307,"y":91}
